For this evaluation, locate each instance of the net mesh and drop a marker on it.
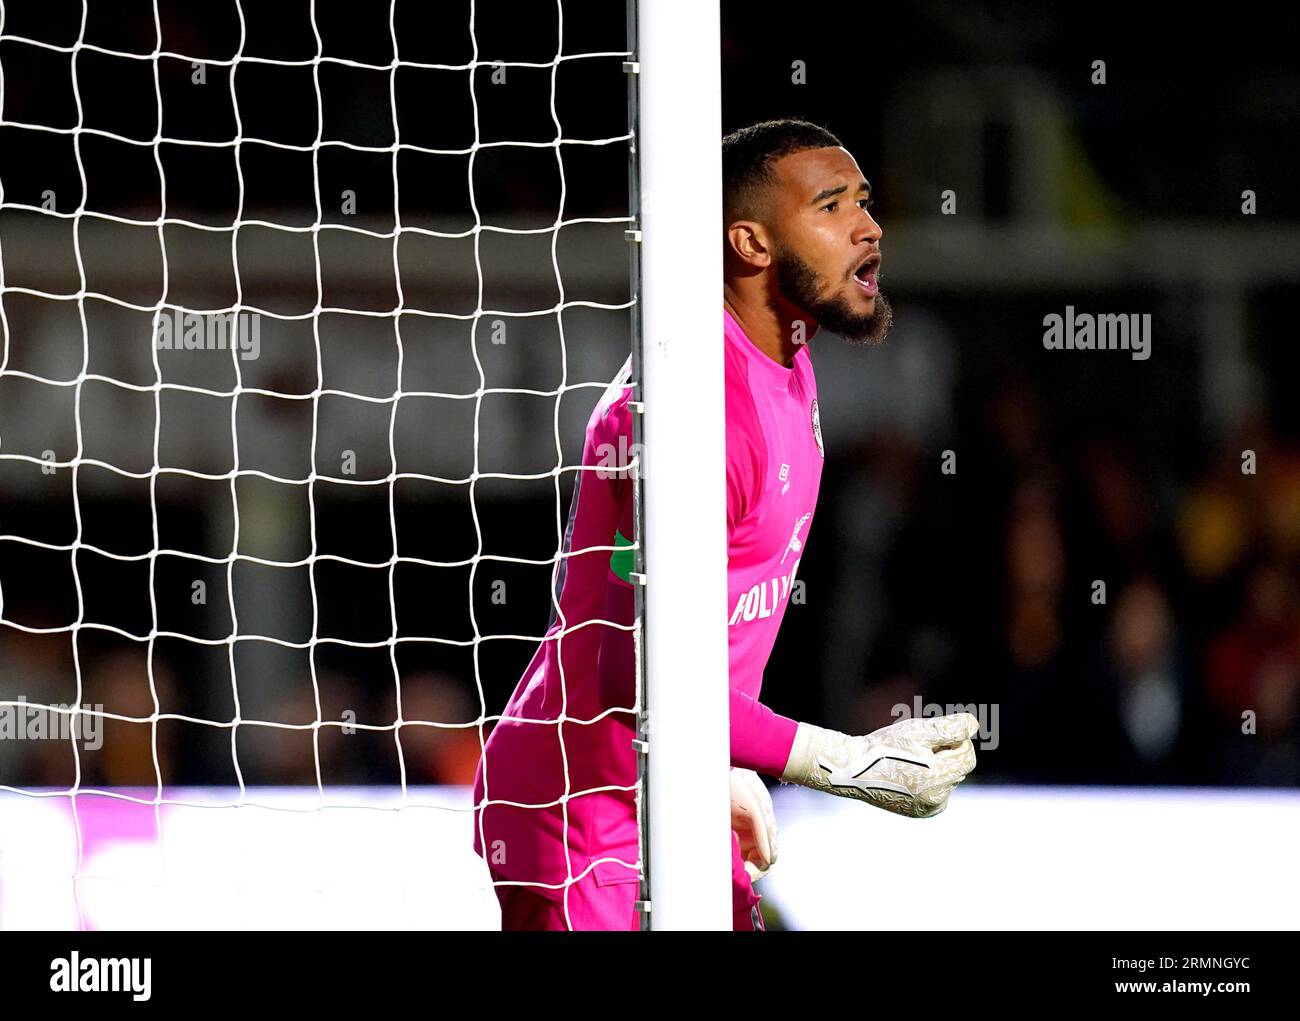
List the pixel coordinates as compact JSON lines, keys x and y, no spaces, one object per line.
{"x":255,"y":448}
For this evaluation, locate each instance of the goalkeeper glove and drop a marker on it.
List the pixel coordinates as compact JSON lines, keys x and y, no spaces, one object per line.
{"x":909,"y":767}
{"x":754,"y":822}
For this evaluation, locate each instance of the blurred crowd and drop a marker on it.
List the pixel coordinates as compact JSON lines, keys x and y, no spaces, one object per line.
{"x":146,"y":736}
{"x":1122,"y":616}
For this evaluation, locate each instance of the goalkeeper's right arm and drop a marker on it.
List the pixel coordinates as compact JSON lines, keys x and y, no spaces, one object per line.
{"x":909,"y":767}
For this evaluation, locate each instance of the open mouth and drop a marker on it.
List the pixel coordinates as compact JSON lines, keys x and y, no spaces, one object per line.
{"x":865,"y":275}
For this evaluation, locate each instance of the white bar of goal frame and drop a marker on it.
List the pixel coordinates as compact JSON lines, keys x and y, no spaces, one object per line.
{"x":685,"y":821}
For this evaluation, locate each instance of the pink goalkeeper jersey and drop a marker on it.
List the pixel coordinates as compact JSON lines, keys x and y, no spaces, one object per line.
{"x":774,"y":465}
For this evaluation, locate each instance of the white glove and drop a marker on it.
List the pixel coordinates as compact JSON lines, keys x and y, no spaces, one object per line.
{"x":909,"y":767}
{"x":754,"y":822}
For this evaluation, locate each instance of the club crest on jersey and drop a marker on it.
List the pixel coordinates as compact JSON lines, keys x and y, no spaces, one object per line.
{"x":817,"y":429}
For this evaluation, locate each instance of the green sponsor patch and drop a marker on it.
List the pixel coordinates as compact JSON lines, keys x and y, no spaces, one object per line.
{"x":622,"y":559}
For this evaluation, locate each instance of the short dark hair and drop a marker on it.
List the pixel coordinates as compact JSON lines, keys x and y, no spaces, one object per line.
{"x":748,"y":155}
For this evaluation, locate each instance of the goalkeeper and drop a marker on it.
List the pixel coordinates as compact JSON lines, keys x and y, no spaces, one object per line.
{"x":801,"y":252}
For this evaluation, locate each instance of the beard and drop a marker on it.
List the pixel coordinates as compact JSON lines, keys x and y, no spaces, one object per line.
{"x":802,"y":286}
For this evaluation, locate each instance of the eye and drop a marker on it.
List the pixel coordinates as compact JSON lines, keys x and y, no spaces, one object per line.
{"x":830,"y":206}
{"x":866,"y":203}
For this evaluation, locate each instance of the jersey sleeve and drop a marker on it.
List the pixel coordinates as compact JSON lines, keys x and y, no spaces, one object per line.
{"x":760,"y":738}
{"x":745,"y":456}
{"x":609,"y":445}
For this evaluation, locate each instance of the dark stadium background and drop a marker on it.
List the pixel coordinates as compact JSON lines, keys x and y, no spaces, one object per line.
{"x":966,"y":588}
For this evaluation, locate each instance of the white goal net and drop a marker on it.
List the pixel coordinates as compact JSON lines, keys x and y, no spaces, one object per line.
{"x":303,"y":308}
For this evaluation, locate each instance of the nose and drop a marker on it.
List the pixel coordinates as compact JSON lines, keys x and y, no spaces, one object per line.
{"x":867,"y":229}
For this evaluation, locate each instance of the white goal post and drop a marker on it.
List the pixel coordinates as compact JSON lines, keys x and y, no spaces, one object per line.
{"x":681,"y":369}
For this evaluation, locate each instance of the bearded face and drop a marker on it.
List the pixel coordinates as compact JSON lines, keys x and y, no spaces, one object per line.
{"x":835,"y":304}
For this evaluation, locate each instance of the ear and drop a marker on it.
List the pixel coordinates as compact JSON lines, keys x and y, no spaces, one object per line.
{"x":749,"y":242}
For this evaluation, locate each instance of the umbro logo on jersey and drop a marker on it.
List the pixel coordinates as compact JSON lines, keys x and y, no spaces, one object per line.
{"x":817,"y":429}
